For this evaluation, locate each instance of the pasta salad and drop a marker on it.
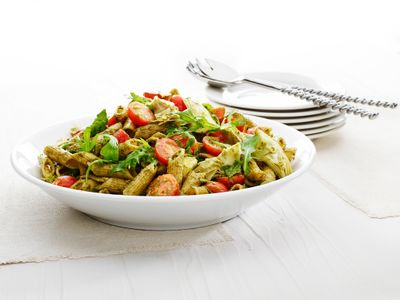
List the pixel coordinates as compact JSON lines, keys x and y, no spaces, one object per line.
{"x":167,"y":145}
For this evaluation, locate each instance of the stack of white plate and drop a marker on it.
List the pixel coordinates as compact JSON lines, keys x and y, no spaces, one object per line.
{"x":312,"y":120}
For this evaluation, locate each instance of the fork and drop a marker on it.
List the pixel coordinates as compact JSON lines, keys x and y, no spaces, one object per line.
{"x":220,"y":75}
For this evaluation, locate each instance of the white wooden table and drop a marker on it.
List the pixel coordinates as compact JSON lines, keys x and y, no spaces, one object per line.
{"x":305,"y":242}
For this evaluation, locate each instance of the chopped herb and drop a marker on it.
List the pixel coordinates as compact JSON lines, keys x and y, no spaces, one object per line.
{"x":141,"y":156}
{"x":87,"y":143}
{"x":248,"y":147}
{"x":137,"y":98}
{"x":197,"y":123}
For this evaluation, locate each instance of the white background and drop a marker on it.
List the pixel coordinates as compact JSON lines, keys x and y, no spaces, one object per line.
{"x":86,"y":54}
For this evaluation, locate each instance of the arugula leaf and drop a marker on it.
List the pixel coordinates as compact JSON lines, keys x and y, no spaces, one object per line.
{"x":99,"y":124}
{"x":197,"y":123}
{"x":248,"y":147}
{"x":137,"y":98}
{"x":87,"y":143}
{"x":110,"y":150}
{"x":143,"y":155}
{"x":232,"y":169}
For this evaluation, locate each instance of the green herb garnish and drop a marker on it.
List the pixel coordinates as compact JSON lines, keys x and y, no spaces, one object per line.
{"x":233,"y":169}
{"x":110,"y":150}
{"x":141,"y":156}
{"x":248,"y":147}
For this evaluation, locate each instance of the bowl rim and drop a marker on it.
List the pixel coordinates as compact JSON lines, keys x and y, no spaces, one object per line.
{"x":158,"y":199}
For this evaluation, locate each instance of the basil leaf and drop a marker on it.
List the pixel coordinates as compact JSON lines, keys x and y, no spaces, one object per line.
{"x":232,"y":169}
{"x":99,"y":124}
{"x":110,"y":150}
{"x":248,"y":147}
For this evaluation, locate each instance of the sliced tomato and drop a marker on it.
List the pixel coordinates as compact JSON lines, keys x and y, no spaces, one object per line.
{"x":180,"y":140}
{"x":140,"y":114}
{"x":65,"y":181}
{"x":195,"y":148}
{"x":251,"y":130}
{"x":219,"y":135}
{"x":231,"y":181}
{"x":216,"y":187}
{"x":151,"y":95}
{"x":164,"y":149}
{"x":164,"y":185}
{"x":178,"y":101}
{"x":242,"y":128}
{"x":121,"y":135}
{"x":211,"y":146}
{"x":219,"y":112}
{"x":111,"y":121}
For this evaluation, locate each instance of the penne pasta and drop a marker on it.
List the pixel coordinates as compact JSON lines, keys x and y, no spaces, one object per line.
{"x":140,"y":183}
{"x":167,"y":145}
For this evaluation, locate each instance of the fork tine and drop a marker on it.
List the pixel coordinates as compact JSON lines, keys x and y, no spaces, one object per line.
{"x":204,"y":67}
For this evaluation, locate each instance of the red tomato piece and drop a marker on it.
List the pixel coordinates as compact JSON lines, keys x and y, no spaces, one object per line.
{"x":180,"y":140}
{"x":151,"y":95}
{"x":121,"y":135}
{"x":219,"y":112}
{"x":112,"y":121}
{"x":164,"y":149}
{"x":219,"y":135}
{"x":216,"y":187}
{"x":178,"y":101}
{"x":164,"y":185}
{"x":210,"y":146}
{"x":65,"y":181}
{"x":140,"y":114}
{"x":231,"y":181}
{"x":195,"y":148}
{"x":242,"y":128}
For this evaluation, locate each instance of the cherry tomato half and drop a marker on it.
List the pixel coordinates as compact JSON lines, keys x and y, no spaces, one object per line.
{"x":219,"y":135}
{"x":140,"y":114}
{"x":121,"y":135}
{"x":219,"y":112}
{"x":216,"y":187}
{"x":164,"y":185}
{"x":151,"y":95}
{"x":65,"y":181}
{"x":180,"y":140}
{"x":231,"y":181}
{"x":111,"y":121}
{"x":164,"y":149}
{"x":211,"y":146}
{"x":178,"y":101}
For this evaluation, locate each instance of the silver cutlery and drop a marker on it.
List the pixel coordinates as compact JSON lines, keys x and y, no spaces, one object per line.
{"x":220,"y":75}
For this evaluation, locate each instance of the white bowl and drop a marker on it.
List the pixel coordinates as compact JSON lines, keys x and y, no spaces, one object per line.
{"x":156,"y":213}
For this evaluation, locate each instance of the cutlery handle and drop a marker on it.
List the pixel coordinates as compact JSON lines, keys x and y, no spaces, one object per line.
{"x":340,"y":97}
{"x":326,"y":102}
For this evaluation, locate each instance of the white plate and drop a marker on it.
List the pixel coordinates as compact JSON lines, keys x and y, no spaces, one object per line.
{"x":156,"y":213}
{"x":323,"y":128}
{"x":305,"y":119}
{"x":281,"y":114}
{"x":252,"y":97}
{"x":324,"y":134}
{"x":309,"y":125}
